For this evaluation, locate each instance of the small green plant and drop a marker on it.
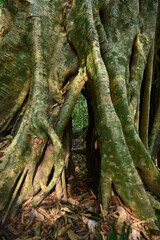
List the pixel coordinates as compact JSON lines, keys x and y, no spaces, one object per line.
{"x":123,"y":236}
{"x":1,"y":3}
{"x":80,"y":114}
{"x":1,"y":6}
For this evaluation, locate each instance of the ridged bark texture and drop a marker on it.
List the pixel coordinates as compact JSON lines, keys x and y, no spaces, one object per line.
{"x":49,"y":51}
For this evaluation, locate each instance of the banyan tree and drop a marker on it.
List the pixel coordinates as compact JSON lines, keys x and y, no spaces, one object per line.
{"x":50,"y":52}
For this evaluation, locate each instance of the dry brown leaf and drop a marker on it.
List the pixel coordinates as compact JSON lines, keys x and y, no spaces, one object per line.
{"x":93,"y":230}
{"x":34,"y":238}
{"x":66,"y":209}
{"x":103,"y":236}
{"x":103,"y":212}
{"x":88,"y":215}
{"x":138,"y":223}
{"x":135,"y":235}
{"x":44,"y":213}
{"x":88,"y":206}
{"x":85,"y":219}
{"x":116,"y":200}
{"x":92,"y":193}
{"x":12,"y":230}
{"x":122,"y":215}
{"x":131,"y":212}
{"x":64,"y":237}
{"x":73,"y":201}
{"x":75,"y":217}
{"x":104,"y":227}
{"x":72,"y":235}
{"x":39,"y":216}
{"x":22,"y":218}
{"x":28,"y":224}
{"x":63,"y":229}
{"x":91,"y":224}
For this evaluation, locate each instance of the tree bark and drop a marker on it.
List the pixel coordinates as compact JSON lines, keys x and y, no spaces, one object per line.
{"x":49,"y":51}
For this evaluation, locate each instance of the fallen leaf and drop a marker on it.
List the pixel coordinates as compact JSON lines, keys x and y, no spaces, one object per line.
{"x":103,"y":212}
{"x":122,"y":215}
{"x":85,"y":219}
{"x":75,"y":217}
{"x":135,"y":235}
{"x":44,"y":213}
{"x":77,"y":169}
{"x":12,"y":230}
{"x":86,"y":215}
{"x":104,"y":227}
{"x":88,"y":206}
{"x":138,"y":223}
{"x":34,"y":238}
{"x":93,"y":230}
{"x":91,"y":224}
{"x":63,"y":229}
{"x":116,"y":200}
{"x":39,"y":216}
{"x":72,"y":235}
{"x":66,"y":209}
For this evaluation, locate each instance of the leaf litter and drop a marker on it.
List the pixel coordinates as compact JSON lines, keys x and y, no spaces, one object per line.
{"x":81,"y":217}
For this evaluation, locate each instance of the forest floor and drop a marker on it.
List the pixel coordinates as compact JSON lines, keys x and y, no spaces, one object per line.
{"x":81,"y":217}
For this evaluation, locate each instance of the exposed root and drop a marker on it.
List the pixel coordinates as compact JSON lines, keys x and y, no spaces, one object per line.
{"x":126,"y":179}
{"x":107,"y":64}
{"x":44,"y":170}
{"x":27,"y":190}
{"x":7,"y":211}
{"x":19,"y":102}
{"x":71,"y":98}
{"x":119,"y":95}
{"x":115,"y":128}
{"x":155,"y":204}
{"x":39,"y":197}
{"x":58,"y":160}
{"x":105,"y":191}
{"x":145,"y":104}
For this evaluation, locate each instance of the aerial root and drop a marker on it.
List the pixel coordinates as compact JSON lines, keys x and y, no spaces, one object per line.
{"x":105,"y":192}
{"x":155,"y":204}
{"x":61,"y":187}
{"x":27,"y":189}
{"x":59,"y":164}
{"x":14,"y":194}
{"x":25,"y":185}
{"x":46,"y":190}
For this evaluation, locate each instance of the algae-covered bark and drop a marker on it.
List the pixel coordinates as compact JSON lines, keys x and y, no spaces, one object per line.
{"x":49,"y":51}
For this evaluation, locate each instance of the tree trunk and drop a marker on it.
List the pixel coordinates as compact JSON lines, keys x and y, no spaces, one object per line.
{"x":49,"y":51}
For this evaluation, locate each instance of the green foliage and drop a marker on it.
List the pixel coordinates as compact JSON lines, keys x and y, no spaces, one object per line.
{"x":1,"y":5}
{"x":158,"y":217}
{"x":124,"y":235}
{"x":80,"y":114}
{"x":113,"y":235}
{"x":98,"y":237}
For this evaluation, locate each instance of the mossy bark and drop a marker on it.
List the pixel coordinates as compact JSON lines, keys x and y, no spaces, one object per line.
{"x":49,"y":51}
